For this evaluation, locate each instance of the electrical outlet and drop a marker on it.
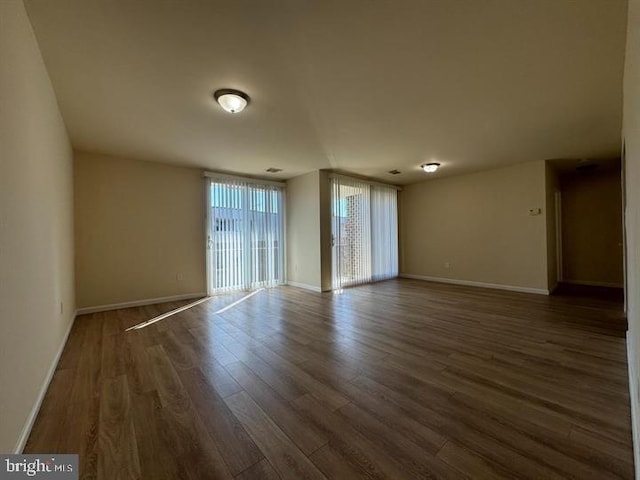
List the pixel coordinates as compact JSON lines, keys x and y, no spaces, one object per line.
{"x":179,"y":277}
{"x":447,"y":264}
{"x":61,"y":308}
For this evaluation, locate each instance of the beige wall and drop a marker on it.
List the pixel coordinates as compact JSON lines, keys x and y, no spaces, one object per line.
{"x":303,"y":230}
{"x":592,"y":227}
{"x":480,"y":225}
{"x":552,"y":186}
{"x":139,"y":230}
{"x":326,"y":249}
{"x":36,"y":225}
{"x":631,"y":133}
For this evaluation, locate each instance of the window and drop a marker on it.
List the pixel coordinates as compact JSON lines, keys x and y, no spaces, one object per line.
{"x":365,"y":231}
{"x":245,"y":246}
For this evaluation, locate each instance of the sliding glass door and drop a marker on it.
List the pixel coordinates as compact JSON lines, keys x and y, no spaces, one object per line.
{"x":384,"y":232}
{"x":351,"y":231}
{"x":364,"y":231}
{"x":245,"y":238}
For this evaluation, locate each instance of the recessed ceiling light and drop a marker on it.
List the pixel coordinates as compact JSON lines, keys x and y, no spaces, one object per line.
{"x":430,"y":167}
{"x":273,"y":170}
{"x":233,"y":101}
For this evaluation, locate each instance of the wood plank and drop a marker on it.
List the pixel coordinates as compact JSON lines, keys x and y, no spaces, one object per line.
{"x":472,"y":465}
{"x":45,"y":436}
{"x":260,"y":471}
{"x":237,"y":448}
{"x":117,"y":443}
{"x":195,"y":454}
{"x":598,"y":443}
{"x":363,"y":455}
{"x":478,"y":441}
{"x":420,"y":463}
{"x":281,"y":381}
{"x":170,"y":389}
{"x":306,"y":437}
{"x":399,"y":379}
{"x":138,"y":366}
{"x":197,"y":353}
{"x":154,"y":449}
{"x":334,"y":465}
{"x":88,"y":371}
{"x":286,"y":458}
{"x":323,"y":392}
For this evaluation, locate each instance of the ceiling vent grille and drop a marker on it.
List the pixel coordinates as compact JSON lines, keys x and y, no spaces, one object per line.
{"x":273,"y":170}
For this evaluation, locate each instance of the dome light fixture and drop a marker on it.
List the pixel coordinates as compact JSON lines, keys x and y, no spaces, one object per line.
{"x":430,"y":167}
{"x":232,"y":101}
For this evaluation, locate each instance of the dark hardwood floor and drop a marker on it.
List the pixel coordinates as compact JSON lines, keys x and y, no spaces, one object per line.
{"x":400,"y":379}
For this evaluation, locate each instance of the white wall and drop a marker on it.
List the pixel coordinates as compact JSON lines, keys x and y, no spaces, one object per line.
{"x":479,"y":225}
{"x":139,"y":230}
{"x":631,"y":133}
{"x":303,"y":231}
{"x":36,"y":225}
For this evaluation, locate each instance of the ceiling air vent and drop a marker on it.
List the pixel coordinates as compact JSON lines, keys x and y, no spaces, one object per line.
{"x":394,"y":172}
{"x":273,"y":170}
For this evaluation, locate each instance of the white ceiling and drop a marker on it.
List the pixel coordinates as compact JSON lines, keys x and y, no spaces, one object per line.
{"x":363,"y":86}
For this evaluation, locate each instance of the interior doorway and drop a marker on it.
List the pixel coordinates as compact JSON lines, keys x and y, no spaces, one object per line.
{"x":590,"y":230}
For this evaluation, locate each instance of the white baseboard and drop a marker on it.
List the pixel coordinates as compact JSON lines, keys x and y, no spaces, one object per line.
{"x":593,"y":284}
{"x":470,"y":283}
{"x":139,"y":303}
{"x":26,"y":430}
{"x":633,"y":395}
{"x":305,"y":286}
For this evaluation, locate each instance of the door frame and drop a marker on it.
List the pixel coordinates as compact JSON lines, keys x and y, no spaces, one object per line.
{"x":558,"y":208}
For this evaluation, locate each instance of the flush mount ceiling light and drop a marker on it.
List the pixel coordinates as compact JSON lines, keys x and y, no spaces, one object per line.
{"x":233,"y":101}
{"x":430,"y":167}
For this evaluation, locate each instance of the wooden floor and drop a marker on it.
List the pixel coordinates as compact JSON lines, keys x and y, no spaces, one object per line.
{"x":400,"y":379}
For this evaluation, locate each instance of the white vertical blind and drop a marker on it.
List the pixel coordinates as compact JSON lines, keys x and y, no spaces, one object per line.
{"x":365,"y":231}
{"x":245,"y":235}
{"x":351,"y":205}
{"x":384,"y":232}
{"x":266,"y":235}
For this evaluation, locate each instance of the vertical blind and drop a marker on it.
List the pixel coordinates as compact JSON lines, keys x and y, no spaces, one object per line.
{"x":351,"y":229}
{"x":365,"y":232}
{"x":384,"y":232}
{"x":245,"y":235}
